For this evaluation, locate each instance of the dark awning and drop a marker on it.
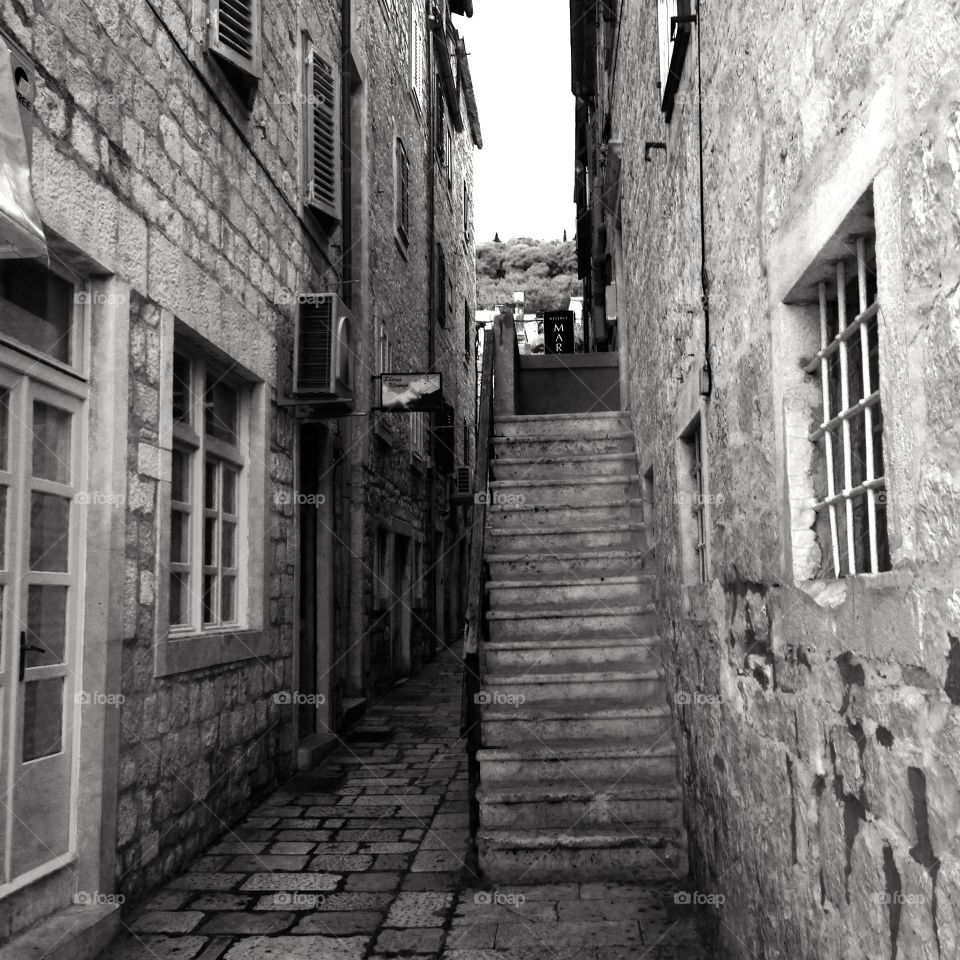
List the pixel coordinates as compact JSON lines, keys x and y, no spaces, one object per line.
{"x":21,"y":229}
{"x":462,"y":7}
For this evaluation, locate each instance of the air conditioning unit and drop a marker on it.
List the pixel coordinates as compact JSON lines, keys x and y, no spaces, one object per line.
{"x":323,"y":350}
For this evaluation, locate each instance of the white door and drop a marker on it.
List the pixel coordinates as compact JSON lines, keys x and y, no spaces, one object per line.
{"x":40,"y":593}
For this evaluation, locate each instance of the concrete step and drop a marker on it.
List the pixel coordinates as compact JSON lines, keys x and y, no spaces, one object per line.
{"x":565,"y":492}
{"x":584,"y":759}
{"x":513,"y":510}
{"x":605,"y":592}
{"x":557,"y":565}
{"x":583,"y":853}
{"x":613,"y":440}
{"x":563,"y":803}
{"x":558,"y":538}
{"x":577,"y":465}
{"x":562,"y":424}
{"x":518,"y":685}
{"x":578,"y":653}
{"x":552,"y":721}
{"x":559,"y":620}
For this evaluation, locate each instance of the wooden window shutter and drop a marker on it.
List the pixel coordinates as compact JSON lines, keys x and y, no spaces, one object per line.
{"x":417,"y":41}
{"x":403,"y":190}
{"x":323,"y":136}
{"x":441,"y":132}
{"x":235,"y":34}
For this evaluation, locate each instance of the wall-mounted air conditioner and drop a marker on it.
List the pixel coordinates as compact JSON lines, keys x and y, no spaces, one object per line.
{"x":323,"y":350}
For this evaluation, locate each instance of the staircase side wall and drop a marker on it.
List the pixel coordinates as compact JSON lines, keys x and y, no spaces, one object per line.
{"x":819,"y":719}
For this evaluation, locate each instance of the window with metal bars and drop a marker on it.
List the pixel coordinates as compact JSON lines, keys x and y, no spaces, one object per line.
{"x":402,"y":191}
{"x":850,"y":488}
{"x":692,"y":496}
{"x":441,"y":287}
{"x":441,"y":124}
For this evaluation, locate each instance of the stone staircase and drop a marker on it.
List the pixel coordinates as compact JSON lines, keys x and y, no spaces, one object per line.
{"x":577,"y":765}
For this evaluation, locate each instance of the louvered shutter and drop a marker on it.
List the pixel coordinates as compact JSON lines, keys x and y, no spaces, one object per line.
{"x":235,"y":33}
{"x":417,"y":42}
{"x":323,"y":144}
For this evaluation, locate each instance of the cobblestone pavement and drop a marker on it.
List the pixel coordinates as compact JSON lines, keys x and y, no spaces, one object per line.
{"x":369,"y":856}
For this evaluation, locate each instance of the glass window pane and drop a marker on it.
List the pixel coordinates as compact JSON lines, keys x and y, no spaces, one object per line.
{"x":36,"y":307}
{"x":210,"y":484}
{"x":49,"y":532}
{"x":179,"y":596}
{"x":4,"y":428}
{"x":229,"y":490}
{"x":221,"y":409}
{"x":180,"y":476}
{"x":179,"y":537}
{"x":228,"y":588}
{"x":181,"y":389}
{"x":209,"y":585}
{"x":42,"y":718}
{"x":209,"y":541}
{"x":46,"y":624}
{"x":228,"y":556}
{"x":51,"y":442}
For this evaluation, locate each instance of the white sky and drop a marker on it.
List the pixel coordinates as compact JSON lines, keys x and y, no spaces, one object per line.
{"x":520,"y":63}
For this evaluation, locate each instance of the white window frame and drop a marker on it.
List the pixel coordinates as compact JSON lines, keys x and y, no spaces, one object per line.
{"x":192,"y":440}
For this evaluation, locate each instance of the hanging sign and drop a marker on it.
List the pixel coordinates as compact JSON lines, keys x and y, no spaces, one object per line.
{"x":558,"y":331}
{"x":411,"y":392}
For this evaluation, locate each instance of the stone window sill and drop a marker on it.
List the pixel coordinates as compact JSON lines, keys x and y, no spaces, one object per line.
{"x":183,"y":653}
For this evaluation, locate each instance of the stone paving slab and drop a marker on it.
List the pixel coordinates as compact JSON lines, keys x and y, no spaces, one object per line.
{"x":381,"y":867}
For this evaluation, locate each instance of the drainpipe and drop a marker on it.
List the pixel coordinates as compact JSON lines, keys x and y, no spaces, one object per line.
{"x":346,"y":162}
{"x":431,"y":106}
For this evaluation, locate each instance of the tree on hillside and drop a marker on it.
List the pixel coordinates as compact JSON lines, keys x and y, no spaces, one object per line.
{"x":545,"y":270}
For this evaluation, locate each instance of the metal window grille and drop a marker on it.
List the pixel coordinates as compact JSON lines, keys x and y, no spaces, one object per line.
{"x":853,"y":503}
{"x":442,"y":287}
{"x":698,"y":507}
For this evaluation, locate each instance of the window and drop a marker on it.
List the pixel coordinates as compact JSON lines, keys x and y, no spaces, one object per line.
{"x":419,"y":433}
{"x":851,"y":523}
{"x":417,"y":43}
{"x":441,"y":286}
{"x":207,"y":532}
{"x":691,"y":491}
{"x":402,"y":192}
{"x":235,"y":37}
{"x":322,"y":130}
{"x":466,"y":212}
{"x":466,"y":442}
{"x":441,"y":127}
{"x":674,"y":37}
{"x":468,"y":334}
{"x":382,"y":571}
{"x":38,"y":310}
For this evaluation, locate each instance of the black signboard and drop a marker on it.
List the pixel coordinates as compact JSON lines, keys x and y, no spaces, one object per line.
{"x":558,"y":331}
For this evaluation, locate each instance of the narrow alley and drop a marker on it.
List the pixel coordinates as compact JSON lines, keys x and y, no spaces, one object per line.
{"x":369,"y":856}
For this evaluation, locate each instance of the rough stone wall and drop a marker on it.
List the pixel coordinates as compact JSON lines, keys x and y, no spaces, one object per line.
{"x":396,"y":486}
{"x":820,"y":722}
{"x":148,"y":164}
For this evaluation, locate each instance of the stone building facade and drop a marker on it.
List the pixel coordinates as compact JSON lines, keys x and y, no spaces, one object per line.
{"x":181,"y":549}
{"x":735,"y":167}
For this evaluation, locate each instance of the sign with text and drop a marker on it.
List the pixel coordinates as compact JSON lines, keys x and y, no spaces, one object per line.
{"x":558,"y":331}
{"x":411,"y":392}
